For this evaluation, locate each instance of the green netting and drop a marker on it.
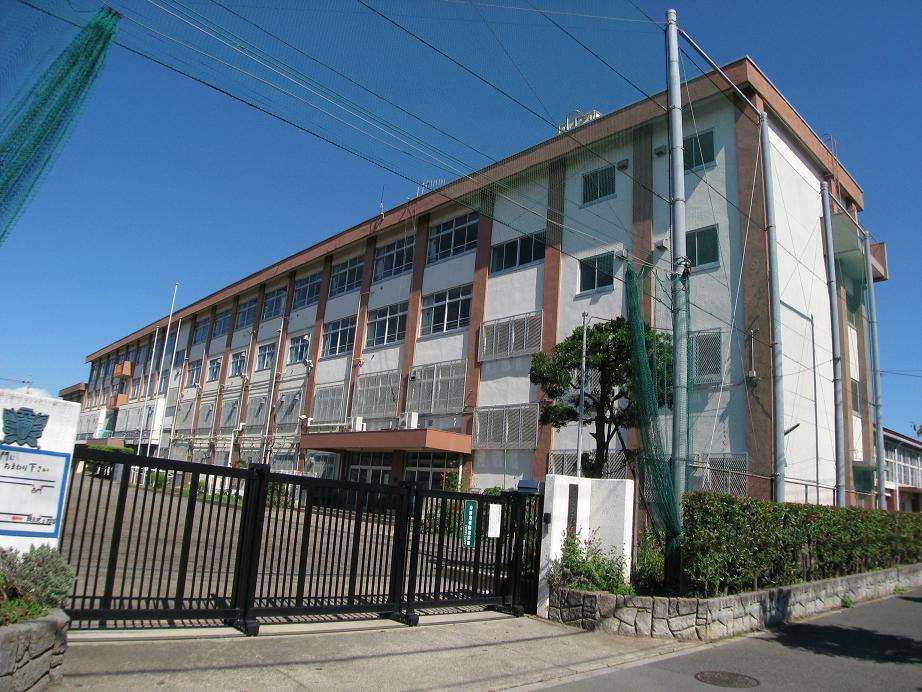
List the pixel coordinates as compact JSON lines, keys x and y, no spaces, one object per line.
{"x":35,"y":125}
{"x":653,"y":461}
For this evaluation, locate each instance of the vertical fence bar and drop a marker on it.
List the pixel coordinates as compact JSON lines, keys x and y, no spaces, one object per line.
{"x":412,"y":618}
{"x":399,"y":551}
{"x":186,"y":541}
{"x":116,"y":537}
{"x":251,"y":530}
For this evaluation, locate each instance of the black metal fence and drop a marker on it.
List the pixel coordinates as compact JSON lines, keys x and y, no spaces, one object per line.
{"x":160,"y":540}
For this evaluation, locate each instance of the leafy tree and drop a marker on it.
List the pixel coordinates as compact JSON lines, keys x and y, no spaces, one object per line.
{"x":609,"y":405}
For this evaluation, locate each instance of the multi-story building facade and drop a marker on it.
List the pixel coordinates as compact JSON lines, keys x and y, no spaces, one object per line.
{"x":903,"y":457}
{"x":401,"y":347}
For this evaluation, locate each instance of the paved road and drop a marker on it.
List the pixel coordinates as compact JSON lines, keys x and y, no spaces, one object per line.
{"x":873,"y":646}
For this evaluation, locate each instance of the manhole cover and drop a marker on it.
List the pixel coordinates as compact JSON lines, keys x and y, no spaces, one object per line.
{"x":722,"y":678}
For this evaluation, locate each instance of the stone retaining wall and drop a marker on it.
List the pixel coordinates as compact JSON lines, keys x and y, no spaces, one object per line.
{"x":31,"y":652}
{"x":707,"y":619}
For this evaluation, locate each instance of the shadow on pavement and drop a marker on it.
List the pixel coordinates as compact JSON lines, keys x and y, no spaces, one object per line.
{"x":851,"y":642}
{"x":914,"y":599}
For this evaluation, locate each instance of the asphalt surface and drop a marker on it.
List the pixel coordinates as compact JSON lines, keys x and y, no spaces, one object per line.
{"x":873,"y":646}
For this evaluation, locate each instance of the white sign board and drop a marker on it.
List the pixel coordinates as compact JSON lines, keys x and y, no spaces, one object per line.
{"x":493,"y":520}
{"x":35,"y":457}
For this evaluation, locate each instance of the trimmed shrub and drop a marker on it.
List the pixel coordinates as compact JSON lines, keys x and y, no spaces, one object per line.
{"x":32,"y":582}
{"x":733,"y":545}
{"x":585,"y":566}
{"x":650,"y":566}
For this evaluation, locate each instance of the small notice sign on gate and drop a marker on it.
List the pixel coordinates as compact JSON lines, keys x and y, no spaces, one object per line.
{"x":493,"y":520}
{"x":469,"y":524}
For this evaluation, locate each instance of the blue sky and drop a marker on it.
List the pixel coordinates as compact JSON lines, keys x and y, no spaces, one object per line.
{"x":169,"y":181}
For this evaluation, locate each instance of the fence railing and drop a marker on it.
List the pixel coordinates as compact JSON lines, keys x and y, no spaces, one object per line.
{"x":563,"y":462}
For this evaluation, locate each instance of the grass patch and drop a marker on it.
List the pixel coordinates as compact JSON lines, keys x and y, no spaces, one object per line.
{"x":19,"y":609}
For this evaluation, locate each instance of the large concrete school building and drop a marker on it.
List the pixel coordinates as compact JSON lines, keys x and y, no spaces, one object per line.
{"x":400,"y":348}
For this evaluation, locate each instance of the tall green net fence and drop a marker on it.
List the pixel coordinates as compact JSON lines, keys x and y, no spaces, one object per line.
{"x":34,"y":126}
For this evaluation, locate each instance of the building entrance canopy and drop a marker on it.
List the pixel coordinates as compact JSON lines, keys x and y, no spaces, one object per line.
{"x":422,"y":439}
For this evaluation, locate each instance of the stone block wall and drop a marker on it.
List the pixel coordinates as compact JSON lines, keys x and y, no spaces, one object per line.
{"x":707,"y":619}
{"x":31,"y":652}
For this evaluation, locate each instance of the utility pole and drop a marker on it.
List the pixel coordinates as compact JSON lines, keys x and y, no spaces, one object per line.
{"x":680,"y":266}
{"x":875,"y":376}
{"x":166,"y":337}
{"x":582,"y":402}
{"x":833,"y":290}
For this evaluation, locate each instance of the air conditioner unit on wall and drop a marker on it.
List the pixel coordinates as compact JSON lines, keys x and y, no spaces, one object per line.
{"x":409,"y":420}
{"x":358,"y":424}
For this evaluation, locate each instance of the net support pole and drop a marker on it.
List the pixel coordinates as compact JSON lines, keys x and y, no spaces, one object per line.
{"x":832,"y":288}
{"x":774,"y":289}
{"x":875,"y":377}
{"x":680,"y":419}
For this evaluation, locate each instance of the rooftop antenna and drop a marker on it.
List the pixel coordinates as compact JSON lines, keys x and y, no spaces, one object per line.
{"x":381,"y":204}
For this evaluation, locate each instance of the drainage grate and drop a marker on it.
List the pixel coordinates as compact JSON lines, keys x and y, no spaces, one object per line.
{"x":722,"y":678}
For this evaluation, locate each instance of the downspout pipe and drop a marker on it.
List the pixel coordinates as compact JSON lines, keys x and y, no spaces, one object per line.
{"x":780,"y":464}
{"x":875,"y":377}
{"x":833,"y":289}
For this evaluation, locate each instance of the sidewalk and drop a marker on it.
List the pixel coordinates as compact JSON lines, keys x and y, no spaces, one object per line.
{"x":467,"y":651}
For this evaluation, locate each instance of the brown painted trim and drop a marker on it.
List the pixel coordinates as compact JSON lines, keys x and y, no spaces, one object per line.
{"x":222,"y":386}
{"x":317,"y":333}
{"x":429,"y":439}
{"x":743,"y":72}
{"x":361,"y":322}
{"x":182,"y":386}
{"x":203,"y":373}
{"x":251,"y":357}
{"x":281,"y":358}
{"x":478,"y":307}
{"x":756,"y":306}
{"x":848,"y":431}
{"x":550,"y":295}
{"x":413,"y":307}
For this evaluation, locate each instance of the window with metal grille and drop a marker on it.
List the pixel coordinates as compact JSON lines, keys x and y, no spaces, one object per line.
{"x":214,"y":369}
{"x":328,"y":404}
{"x":510,"y":336}
{"x":287,"y":411}
{"x":274,"y":303}
{"x":298,"y":348}
{"x":446,"y":310}
{"x":387,"y":325}
{"x":506,"y":427}
{"x":200,"y":334}
{"x":162,"y":383}
{"x":517,"y":253}
{"x":256,"y":411}
{"x":698,"y":150}
{"x":702,"y":247}
{"x":205,"y":417}
{"x":195,"y":371}
{"x":856,"y":397}
{"x":238,"y":363}
{"x":394,"y":258}
{"x":346,"y":276}
{"x":183,"y":419}
{"x":597,"y":272}
{"x":376,"y":394}
{"x":221,"y":324}
{"x":338,"y":336}
{"x":136,"y":389}
{"x":180,"y":357}
{"x":307,"y":291}
{"x":229,"y":413}
{"x":265,"y":357}
{"x":246,"y":314}
{"x":598,"y":184}
{"x":452,"y":237}
{"x":437,"y":388}
{"x":707,"y":357}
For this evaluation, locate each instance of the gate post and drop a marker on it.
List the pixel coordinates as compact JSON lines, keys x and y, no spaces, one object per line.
{"x":399,"y":552}
{"x":412,"y":619}
{"x":517,"y":530}
{"x":249,"y":542}
{"x":116,"y":536}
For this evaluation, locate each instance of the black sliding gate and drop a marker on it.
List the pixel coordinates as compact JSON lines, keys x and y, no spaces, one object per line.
{"x":162,"y":540}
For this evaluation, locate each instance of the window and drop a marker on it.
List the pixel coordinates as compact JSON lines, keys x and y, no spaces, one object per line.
{"x":201,"y":333}
{"x":195,"y":371}
{"x":702,"y":247}
{"x":214,"y":369}
{"x":338,"y":336}
{"x":699,"y":150}
{"x":376,"y":394}
{"x":437,"y":388}
{"x":394,"y":258}
{"x":387,"y":325}
{"x":265,"y":356}
{"x":307,"y":291}
{"x":517,"y":252}
{"x":274,"y":303}
{"x":238,"y":363}
{"x":452,"y":237}
{"x":162,"y":383}
{"x":430,"y":469}
{"x":597,"y":272}
{"x":256,"y":413}
{"x":446,"y":310}
{"x":180,"y":357}
{"x":287,"y":411}
{"x":328,"y":404}
{"x":221,"y":324}
{"x":506,"y":427}
{"x":856,"y":397}
{"x":136,"y":389}
{"x":246,"y":314}
{"x":511,"y":336}
{"x":298,"y":348}
{"x":706,"y":354}
{"x":598,"y":184}
{"x":346,"y":276}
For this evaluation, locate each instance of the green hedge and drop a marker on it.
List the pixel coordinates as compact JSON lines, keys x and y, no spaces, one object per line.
{"x":733,"y":545}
